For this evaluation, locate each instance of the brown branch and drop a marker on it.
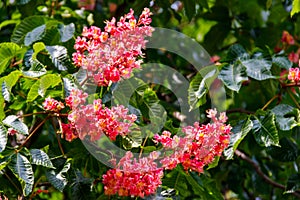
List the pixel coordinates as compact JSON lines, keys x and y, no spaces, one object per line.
{"x":260,"y":172}
{"x":297,"y":84}
{"x":239,"y":110}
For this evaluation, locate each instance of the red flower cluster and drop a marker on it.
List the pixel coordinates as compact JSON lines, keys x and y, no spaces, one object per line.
{"x":287,"y":41}
{"x":132,"y":177}
{"x":52,"y":104}
{"x":294,"y":74}
{"x":200,"y":145}
{"x":111,"y":54}
{"x":94,"y":119}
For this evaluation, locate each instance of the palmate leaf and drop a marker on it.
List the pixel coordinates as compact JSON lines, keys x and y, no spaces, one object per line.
{"x":265,"y":131}
{"x":233,"y":75}
{"x":59,"y":57}
{"x":39,"y":157}
{"x":286,"y":116}
{"x":199,"y":87}
{"x":9,"y":51}
{"x":3,"y":137}
{"x":58,"y":180}
{"x":14,"y":122}
{"x":22,"y":169}
{"x":239,"y":133}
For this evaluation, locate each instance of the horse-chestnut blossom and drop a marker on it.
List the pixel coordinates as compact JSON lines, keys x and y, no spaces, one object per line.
{"x":133,"y":178}
{"x":112,"y":54}
{"x":200,"y":145}
{"x":95,"y":119}
{"x":294,"y":74}
{"x":52,"y":104}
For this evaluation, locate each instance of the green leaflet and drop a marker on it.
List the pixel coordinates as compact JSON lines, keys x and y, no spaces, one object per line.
{"x":40,"y":86}
{"x":14,"y":122}
{"x":58,"y":179}
{"x":199,"y":87}
{"x":39,"y":157}
{"x":233,"y":75}
{"x":22,"y":169}
{"x":239,"y":132}
{"x":3,"y":137}
{"x":265,"y":131}
{"x":9,"y":51}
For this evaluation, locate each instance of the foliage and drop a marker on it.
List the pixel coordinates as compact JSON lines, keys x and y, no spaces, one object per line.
{"x":255,"y":50}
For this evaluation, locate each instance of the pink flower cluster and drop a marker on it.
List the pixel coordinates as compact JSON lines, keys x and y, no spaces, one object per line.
{"x":200,"y":145}
{"x":133,"y":178}
{"x":112,"y":54}
{"x":52,"y":104}
{"x":94,"y":119}
{"x":294,"y":75}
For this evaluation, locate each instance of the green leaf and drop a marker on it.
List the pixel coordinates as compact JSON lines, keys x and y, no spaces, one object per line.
{"x":2,"y":106}
{"x":134,"y":139}
{"x":59,"y":57}
{"x":233,"y":75}
{"x":265,"y":131}
{"x":214,"y":163}
{"x":66,"y":31}
{"x":37,"y":48}
{"x":282,"y":62}
{"x":287,"y":152}
{"x":42,"y":85}
{"x":9,"y":51}
{"x":14,"y":122}
{"x":12,"y":78}
{"x":235,"y":52}
{"x":199,"y":87}
{"x":26,"y":26}
{"x":5,"y":92}
{"x":3,"y":137}
{"x":35,"y":35}
{"x":258,"y":69}
{"x":81,"y":187}
{"x":58,"y":180}
{"x":239,"y":132}
{"x":293,"y":183}
{"x":47,"y":81}
{"x":22,"y":169}
{"x":190,"y":8}
{"x":39,"y":157}
{"x":70,"y":83}
{"x":33,"y":92}
{"x":296,"y":7}
{"x":22,"y":2}
{"x":286,"y":116}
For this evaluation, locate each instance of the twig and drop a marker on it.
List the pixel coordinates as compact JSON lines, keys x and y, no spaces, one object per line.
{"x":32,"y":133}
{"x":260,"y":172}
{"x":11,"y":181}
{"x":270,"y":101}
{"x":293,"y":98}
{"x":240,"y":110}
{"x":57,"y":134}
